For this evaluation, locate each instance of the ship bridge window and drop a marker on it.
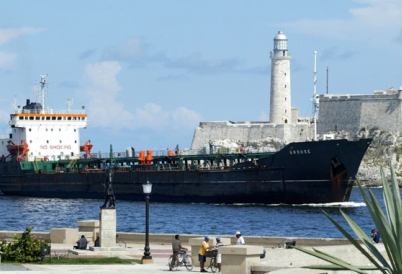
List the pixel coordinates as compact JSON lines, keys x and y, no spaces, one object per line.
{"x":47,"y":118}
{"x":30,"y":141}
{"x":60,"y":141}
{"x":21,"y":118}
{"x":37,"y":118}
{"x":58,"y":118}
{"x":31,"y":118}
{"x":75,"y":130}
{"x":53,"y":118}
{"x":47,"y":141}
{"x":30,"y":129}
{"x":69,"y":118}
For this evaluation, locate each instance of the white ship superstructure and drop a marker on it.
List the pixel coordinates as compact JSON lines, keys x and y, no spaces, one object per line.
{"x":39,"y":133}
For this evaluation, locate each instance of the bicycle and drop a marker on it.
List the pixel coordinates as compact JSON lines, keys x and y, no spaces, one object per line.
{"x":179,"y":261}
{"x":213,"y":265}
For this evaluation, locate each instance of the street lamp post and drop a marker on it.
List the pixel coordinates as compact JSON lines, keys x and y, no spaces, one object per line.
{"x":147,"y":188}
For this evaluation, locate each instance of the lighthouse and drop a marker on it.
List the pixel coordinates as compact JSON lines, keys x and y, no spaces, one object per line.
{"x":280,"y":105}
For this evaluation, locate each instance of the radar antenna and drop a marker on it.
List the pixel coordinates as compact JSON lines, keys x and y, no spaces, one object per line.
{"x":69,"y":104}
{"x":43,"y":91}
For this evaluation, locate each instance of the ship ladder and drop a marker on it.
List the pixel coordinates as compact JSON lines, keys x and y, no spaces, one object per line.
{"x":71,"y":164}
{"x":35,"y":164}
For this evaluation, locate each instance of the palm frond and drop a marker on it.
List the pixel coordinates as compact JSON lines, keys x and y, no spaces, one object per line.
{"x":388,"y":224}
{"x":363,"y":238}
{"x":331,"y":259}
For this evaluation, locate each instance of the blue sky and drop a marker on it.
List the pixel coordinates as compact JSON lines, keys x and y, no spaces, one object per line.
{"x":149,"y":71}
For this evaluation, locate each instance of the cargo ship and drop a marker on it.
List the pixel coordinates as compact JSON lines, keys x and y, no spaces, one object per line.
{"x":43,"y":156}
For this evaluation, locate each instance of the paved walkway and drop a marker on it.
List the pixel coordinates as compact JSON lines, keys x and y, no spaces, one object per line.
{"x":159,"y":253}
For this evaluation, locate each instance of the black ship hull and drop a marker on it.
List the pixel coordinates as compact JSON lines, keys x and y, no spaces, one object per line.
{"x":307,"y":172}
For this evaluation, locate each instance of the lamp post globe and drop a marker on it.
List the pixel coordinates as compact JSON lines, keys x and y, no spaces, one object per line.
{"x":147,"y":189}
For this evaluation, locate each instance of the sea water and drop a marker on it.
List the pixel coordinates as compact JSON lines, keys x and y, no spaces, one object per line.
{"x":210,"y":219}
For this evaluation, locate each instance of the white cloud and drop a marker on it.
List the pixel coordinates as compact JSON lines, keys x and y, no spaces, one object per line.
{"x":7,"y":34}
{"x":151,"y":116}
{"x":185,"y":118}
{"x":101,"y":90}
{"x":376,"y":21}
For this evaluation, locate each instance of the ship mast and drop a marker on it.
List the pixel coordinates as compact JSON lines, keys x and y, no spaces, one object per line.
{"x":315,"y":96}
{"x":69,"y":104}
{"x":42,"y":91}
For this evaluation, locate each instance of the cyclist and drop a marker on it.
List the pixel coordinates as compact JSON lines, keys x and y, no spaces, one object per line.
{"x":178,"y":249}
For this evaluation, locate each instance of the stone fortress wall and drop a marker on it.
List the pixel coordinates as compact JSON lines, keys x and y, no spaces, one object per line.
{"x":353,"y":113}
{"x":249,"y":133}
{"x":342,"y":116}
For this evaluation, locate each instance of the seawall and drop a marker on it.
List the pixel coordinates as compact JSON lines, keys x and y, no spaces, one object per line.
{"x":166,"y":239}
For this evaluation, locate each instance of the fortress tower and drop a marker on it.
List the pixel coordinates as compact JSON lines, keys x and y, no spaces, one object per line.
{"x":284,"y":124}
{"x":280,"y":106}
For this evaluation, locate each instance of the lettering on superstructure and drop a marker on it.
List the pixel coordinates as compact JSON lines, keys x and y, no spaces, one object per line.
{"x":55,"y":147}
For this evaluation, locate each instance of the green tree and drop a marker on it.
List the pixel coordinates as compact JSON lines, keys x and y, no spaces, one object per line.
{"x":23,"y":249}
{"x":389,"y":225}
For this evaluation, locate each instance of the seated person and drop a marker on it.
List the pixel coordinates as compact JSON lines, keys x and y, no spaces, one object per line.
{"x":81,"y":243}
{"x":375,"y":236}
{"x":97,"y":243}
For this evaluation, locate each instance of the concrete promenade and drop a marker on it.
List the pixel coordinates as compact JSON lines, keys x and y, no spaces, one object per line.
{"x":277,"y":260}
{"x":159,"y":253}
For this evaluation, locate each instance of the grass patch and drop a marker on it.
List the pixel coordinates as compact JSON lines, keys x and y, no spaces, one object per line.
{"x":108,"y":260}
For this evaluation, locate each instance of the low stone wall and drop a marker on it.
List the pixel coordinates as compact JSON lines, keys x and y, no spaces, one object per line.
{"x":166,"y":239}
{"x":8,"y":235}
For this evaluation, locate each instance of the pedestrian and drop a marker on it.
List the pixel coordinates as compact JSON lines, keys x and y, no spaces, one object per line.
{"x":375,"y":235}
{"x":202,"y":253}
{"x":81,"y":243}
{"x":97,"y":243}
{"x":218,"y":256}
{"x":240,"y":239}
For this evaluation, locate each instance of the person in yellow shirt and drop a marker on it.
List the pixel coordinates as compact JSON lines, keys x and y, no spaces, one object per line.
{"x":202,"y":252}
